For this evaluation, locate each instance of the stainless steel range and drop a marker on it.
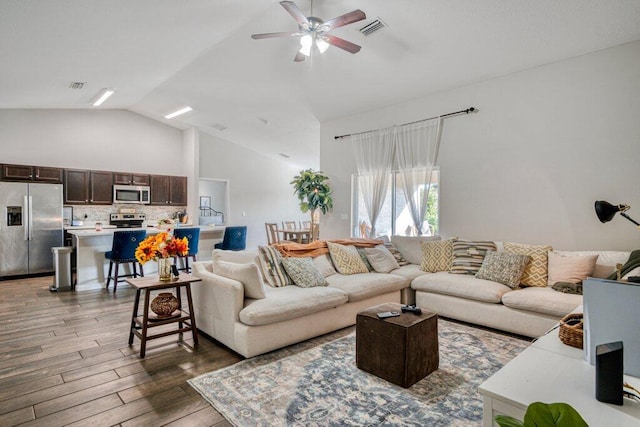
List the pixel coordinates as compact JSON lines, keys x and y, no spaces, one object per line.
{"x":127,"y":220}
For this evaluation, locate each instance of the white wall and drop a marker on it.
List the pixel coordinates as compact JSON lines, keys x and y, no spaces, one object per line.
{"x":545,"y":144}
{"x":259,"y":189}
{"x":115,"y":140}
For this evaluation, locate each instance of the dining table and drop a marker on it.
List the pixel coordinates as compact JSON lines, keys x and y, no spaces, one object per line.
{"x":296,"y":235}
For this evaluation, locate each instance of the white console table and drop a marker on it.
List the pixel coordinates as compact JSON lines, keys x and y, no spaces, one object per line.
{"x":550,"y":371}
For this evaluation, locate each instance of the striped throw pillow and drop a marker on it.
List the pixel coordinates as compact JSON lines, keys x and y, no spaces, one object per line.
{"x":468,"y":255}
{"x":272,"y":269}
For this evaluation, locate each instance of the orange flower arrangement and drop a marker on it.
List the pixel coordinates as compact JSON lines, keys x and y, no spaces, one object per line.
{"x":162,"y":245}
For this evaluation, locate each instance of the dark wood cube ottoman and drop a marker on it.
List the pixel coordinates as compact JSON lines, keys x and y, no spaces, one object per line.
{"x":401,"y":350}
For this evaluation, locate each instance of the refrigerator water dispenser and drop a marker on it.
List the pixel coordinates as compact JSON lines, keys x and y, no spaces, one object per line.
{"x":14,"y":216}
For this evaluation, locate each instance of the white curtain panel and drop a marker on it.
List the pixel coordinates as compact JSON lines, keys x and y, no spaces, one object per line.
{"x":417,"y":148}
{"x":373,"y":152}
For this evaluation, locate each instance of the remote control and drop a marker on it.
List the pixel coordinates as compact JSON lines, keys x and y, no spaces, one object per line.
{"x":386,"y":314}
{"x":411,"y":309}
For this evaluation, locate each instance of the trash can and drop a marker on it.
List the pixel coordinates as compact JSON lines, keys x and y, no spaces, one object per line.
{"x":62,"y":279}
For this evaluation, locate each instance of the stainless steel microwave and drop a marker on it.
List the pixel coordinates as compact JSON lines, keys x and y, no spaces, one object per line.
{"x":131,"y":194}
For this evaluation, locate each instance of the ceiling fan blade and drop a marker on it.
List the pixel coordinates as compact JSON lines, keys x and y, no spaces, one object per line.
{"x":271,"y":35}
{"x":300,"y":57}
{"x":295,"y":11}
{"x":342,"y":43}
{"x":346,"y":19}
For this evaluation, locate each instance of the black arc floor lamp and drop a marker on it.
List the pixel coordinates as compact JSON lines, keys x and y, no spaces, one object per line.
{"x":606,"y":211}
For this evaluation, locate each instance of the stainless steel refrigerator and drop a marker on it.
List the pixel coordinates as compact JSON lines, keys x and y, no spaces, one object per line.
{"x":30,"y":227}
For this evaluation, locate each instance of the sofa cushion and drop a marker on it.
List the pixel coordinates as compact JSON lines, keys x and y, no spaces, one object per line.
{"x":362,"y":286}
{"x":238,"y":257}
{"x":536,"y":271}
{"x":272,"y":269}
{"x":381,"y":259}
{"x":410,"y":248}
{"x":290,"y":302}
{"x":437,"y":256}
{"x":303,"y":273}
{"x":324,"y":265}
{"x":409,"y":271}
{"x":468,"y":255}
{"x":570,"y":268}
{"x":247,"y":274}
{"x":503,"y":267}
{"x":542,"y":300}
{"x":396,"y":253}
{"x":460,"y":285}
{"x":606,"y":263}
{"x":363,"y":255}
{"x":346,"y":259}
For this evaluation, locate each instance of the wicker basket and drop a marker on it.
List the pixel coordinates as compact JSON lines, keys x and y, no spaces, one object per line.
{"x":571,"y":332}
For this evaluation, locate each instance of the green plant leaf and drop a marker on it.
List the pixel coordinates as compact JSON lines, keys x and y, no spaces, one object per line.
{"x":506,"y":421}
{"x":553,"y":415}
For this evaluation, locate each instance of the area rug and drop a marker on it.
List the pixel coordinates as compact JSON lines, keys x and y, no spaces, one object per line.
{"x":318,"y":383}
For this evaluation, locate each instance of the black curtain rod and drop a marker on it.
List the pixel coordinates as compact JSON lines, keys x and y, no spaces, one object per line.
{"x":467,"y":111}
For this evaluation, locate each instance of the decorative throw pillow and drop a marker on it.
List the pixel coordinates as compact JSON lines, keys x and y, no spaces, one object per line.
{"x":247,"y":274}
{"x":303,"y":272}
{"x":536,"y":272}
{"x":381,"y":259}
{"x":503,"y":267}
{"x":346,"y":259}
{"x":394,"y":251}
{"x":272,"y":269}
{"x":572,"y":269}
{"x":436,"y":256}
{"x":323,"y":265}
{"x":363,"y":255}
{"x":468,"y":255}
{"x":410,"y":246}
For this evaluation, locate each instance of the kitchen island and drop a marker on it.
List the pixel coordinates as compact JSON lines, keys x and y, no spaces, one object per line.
{"x":90,"y":246}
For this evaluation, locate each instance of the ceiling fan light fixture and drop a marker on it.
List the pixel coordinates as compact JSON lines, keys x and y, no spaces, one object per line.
{"x":322,"y":45}
{"x":306,"y":42}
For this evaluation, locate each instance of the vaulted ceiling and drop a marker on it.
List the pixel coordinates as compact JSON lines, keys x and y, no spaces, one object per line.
{"x":162,"y":54}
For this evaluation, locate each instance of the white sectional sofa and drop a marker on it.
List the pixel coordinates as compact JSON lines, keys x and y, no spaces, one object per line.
{"x":291,"y":314}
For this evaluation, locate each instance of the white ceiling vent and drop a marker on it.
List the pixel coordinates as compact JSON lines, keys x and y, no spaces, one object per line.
{"x":76,"y":85}
{"x":218,"y":126}
{"x":372,"y":27}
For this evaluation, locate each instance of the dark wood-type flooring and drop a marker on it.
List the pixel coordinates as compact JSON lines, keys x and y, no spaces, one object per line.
{"x":65,"y":360}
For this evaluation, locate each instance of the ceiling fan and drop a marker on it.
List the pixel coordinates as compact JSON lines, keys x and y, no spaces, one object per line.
{"x":314,"y":31}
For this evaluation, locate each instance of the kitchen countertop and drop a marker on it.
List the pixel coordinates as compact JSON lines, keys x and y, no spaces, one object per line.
{"x":83,"y":231}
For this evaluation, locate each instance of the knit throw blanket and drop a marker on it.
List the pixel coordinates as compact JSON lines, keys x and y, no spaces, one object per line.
{"x":320,"y":247}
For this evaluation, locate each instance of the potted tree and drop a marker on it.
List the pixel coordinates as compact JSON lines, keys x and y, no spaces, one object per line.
{"x":313,"y":192}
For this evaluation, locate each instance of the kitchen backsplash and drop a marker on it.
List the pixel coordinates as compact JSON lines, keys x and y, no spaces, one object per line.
{"x":101,"y":213}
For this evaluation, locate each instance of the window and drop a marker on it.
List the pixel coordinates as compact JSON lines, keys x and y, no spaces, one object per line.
{"x":395,"y":217}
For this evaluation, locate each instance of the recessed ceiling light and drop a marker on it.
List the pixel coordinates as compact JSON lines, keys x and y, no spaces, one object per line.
{"x":102,"y":96}
{"x":218,"y":126}
{"x":179,"y":112}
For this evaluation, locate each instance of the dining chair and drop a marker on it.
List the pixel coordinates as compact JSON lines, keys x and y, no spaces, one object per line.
{"x":289,"y":225}
{"x":193,"y":236}
{"x":234,"y":239}
{"x":272,"y":233}
{"x":123,"y":250}
{"x":305,"y":225}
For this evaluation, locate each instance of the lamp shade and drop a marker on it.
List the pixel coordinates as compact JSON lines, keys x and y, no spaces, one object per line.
{"x":606,"y":211}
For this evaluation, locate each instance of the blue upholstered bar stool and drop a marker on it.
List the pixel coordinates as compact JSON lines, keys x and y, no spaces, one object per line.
{"x":123,"y":250}
{"x":193,"y":235}
{"x":235,"y":239}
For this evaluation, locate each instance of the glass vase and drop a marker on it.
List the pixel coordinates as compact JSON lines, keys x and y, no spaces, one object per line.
{"x":164,"y":269}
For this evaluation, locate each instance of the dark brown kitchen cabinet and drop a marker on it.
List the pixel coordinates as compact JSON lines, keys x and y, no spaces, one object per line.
{"x":159,"y":189}
{"x":76,"y":187}
{"x":130,"y":179}
{"x":178,"y":190}
{"x":31,"y":173}
{"x":101,"y":188}
{"x":168,"y":190}
{"x":83,"y":187}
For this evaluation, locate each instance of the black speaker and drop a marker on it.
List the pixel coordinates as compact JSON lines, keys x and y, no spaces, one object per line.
{"x":609,"y":369}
